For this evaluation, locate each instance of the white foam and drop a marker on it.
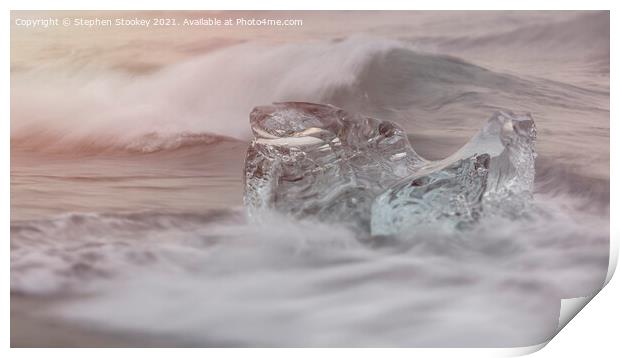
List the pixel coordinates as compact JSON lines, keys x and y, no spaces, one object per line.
{"x":212,"y":93}
{"x":208,"y":281}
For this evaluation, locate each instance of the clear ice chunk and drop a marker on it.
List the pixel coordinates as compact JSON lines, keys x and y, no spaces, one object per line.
{"x":312,"y":160}
{"x":451,"y":192}
{"x":493,"y":173}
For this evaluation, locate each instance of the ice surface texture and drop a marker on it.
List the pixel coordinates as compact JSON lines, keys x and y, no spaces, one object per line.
{"x":319,"y":161}
{"x":493,"y":173}
{"x":312,"y":160}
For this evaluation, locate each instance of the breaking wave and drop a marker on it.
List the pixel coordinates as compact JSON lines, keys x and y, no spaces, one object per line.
{"x":212,"y":95}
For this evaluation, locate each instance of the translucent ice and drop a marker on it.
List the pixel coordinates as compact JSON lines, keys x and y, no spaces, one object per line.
{"x":312,"y":160}
{"x":448,"y":191}
{"x":493,"y":173}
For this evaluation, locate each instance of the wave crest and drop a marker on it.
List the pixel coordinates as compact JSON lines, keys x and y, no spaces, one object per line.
{"x":214,"y":93}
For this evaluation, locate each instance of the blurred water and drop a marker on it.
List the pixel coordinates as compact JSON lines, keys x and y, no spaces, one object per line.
{"x":127,"y":157}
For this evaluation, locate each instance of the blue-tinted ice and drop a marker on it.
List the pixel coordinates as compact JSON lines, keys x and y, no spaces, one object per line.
{"x":319,"y":161}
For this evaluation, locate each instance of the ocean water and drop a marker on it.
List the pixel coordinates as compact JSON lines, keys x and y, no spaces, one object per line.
{"x":127,"y":151}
